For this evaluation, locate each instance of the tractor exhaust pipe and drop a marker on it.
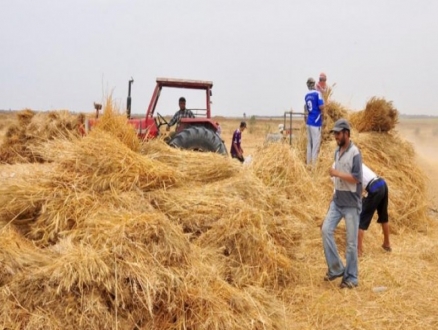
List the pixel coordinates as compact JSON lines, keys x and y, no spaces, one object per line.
{"x":128,"y":101}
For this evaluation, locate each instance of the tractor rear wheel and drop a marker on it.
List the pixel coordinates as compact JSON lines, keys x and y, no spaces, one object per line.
{"x":198,"y":138}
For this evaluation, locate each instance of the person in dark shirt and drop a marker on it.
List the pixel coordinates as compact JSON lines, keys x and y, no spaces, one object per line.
{"x":236,"y":148}
{"x":181,"y":113}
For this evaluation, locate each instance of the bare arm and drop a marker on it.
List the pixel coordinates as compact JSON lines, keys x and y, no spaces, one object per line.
{"x":343,"y":176}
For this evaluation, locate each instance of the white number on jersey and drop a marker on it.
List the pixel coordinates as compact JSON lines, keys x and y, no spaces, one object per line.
{"x":309,"y":106}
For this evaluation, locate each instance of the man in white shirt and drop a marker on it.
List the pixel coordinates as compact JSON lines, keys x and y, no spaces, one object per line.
{"x":376,"y":199}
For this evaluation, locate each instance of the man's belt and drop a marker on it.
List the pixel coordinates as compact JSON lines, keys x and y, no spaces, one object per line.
{"x":370,"y":184}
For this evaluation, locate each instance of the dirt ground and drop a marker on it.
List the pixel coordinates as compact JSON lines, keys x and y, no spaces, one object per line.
{"x":423,"y":134}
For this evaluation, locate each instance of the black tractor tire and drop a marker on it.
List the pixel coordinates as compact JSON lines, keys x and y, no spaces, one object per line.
{"x":198,"y":138}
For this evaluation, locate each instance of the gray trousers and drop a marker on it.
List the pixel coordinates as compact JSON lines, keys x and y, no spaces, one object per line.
{"x":313,"y":143}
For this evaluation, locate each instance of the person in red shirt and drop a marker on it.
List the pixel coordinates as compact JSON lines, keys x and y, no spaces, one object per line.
{"x":321,"y":86}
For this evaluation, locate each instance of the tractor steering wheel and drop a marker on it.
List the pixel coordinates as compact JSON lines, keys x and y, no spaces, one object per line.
{"x":161,"y":121}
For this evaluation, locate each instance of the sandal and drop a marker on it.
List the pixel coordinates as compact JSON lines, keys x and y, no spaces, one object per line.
{"x":386,"y":248}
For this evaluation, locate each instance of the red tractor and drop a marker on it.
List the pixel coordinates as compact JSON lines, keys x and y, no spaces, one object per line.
{"x":199,"y":133}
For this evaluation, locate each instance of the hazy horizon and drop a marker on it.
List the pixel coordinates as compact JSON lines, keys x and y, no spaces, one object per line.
{"x":69,"y":54}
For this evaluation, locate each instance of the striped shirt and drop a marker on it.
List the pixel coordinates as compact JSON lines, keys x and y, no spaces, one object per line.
{"x":186,"y":113}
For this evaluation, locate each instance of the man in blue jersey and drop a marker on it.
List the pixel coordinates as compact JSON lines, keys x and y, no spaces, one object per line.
{"x":314,"y":107}
{"x":346,"y":203}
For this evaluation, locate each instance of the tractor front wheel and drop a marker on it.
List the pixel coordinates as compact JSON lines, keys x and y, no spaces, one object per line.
{"x":198,"y":138}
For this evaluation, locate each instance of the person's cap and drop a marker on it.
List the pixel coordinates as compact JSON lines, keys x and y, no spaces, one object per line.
{"x":340,"y":125}
{"x":243,"y":124}
{"x":182,"y":99}
{"x":280,"y":127}
{"x":310,"y":81}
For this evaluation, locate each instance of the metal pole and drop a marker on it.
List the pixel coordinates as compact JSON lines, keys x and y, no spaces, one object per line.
{"x":128,"y":101}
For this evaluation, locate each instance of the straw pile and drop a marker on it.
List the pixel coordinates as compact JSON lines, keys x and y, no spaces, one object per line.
{"x":127,"y":247}
{"x":198,"y":167}
{"x":111,"y":234}
{"x":114,"y":123}
{"x":32,"y":129}
{"x":379,"y":116}
{"x":394,"y":159}
{"x":332,"y":112}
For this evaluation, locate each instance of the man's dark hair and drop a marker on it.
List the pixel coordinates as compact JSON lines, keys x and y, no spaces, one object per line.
{"x":346,"y":130}
{"x":242,"y":124}
{"x":182,"y":99}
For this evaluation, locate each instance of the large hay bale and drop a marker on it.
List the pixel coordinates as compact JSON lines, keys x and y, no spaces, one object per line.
{"x":379,"y":116}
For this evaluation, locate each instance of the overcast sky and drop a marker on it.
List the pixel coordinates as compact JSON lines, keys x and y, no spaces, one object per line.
{"x":66,"y":54}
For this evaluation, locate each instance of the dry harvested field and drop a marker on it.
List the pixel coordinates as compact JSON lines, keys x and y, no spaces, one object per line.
{"x":106,"y":232}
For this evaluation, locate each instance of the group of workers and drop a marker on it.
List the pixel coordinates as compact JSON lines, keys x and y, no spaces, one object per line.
{"x":350,"y":177}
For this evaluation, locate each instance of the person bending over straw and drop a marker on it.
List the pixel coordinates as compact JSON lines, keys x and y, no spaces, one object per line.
{"x":376,"y":199}
{"x":346,"y":203}
{"x":236,"y":150}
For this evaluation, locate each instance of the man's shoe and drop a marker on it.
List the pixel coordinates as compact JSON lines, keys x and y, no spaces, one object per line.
{"x":327,"y":277}
{"x":348,"y":285}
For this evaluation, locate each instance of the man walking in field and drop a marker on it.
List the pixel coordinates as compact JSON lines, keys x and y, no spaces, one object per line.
{"x":314,"y":107}
{"x":236,"y":148}
{"x":376,"y":199}
{"x":346,"y":203}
